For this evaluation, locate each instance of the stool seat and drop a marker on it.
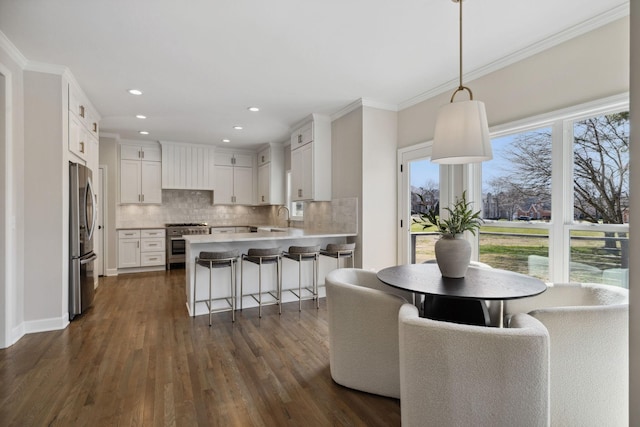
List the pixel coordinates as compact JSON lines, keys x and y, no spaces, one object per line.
{"x":211,"y":260}
{"x":217,"y":259}
{"x":260,"y":257}
{"x":339,"y":250}
{"x":300,"y":254}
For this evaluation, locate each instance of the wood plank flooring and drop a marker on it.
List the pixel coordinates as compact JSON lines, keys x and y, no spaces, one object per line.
{"x":137,"y":359}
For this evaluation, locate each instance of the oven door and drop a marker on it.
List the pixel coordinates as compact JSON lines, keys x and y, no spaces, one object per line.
{"x":176,"y":250}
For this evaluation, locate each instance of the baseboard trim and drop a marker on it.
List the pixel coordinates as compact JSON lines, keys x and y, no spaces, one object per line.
{"x":46,"y":325}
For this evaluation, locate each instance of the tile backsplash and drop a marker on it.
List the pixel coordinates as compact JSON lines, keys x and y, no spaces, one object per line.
{"x":195,"y":206}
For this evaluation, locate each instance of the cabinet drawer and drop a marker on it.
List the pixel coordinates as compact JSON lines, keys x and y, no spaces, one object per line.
{"x":148,"y":259}
{"x":157,"y":232}
{"x":128,"y":234}
{"x":152,"y":244}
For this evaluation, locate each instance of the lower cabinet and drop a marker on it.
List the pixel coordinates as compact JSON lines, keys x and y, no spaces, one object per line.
{"x":141,"y":248}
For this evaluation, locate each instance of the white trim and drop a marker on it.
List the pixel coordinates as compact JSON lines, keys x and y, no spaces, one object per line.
{"x":43,"y":67}
{"x":111,"y":272}
{"x":45,"y":325}
{"x":11,"y":49}
{"x":362,"y":102}
{"x":9,"y":336}
{"x":602,"y":19}
{"x":587,"y":109}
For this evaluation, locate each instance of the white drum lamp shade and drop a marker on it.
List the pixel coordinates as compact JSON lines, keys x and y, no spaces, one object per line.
{"x":461,"y":134}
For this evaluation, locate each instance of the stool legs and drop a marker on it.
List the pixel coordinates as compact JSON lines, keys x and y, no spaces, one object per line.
{"x":258,"y":299}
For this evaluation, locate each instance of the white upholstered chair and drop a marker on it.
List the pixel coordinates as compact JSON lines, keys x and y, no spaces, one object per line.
{"x":588,"y":330}
{"x":363,"y":331}
{"x":462,"y":375}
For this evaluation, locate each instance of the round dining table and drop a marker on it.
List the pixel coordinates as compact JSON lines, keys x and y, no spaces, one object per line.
{"x":461,"y":300}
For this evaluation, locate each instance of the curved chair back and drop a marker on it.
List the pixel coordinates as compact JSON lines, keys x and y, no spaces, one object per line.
{"x":363,"y":331}
{"x":462,"y":375}
{"x":588,"y":327}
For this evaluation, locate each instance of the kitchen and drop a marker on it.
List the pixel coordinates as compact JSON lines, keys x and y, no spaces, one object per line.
{"x":365,"y":138}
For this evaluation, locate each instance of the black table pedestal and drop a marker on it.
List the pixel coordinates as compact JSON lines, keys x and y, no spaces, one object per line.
{"x":466,"y":311}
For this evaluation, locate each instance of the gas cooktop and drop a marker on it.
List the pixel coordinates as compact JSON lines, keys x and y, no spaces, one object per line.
{"x":187,"y":224}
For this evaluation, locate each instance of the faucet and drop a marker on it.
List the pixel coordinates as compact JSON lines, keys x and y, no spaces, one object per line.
{"x":288,"y":214}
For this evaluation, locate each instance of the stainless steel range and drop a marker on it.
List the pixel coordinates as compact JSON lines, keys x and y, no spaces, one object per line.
{"x":176,"y":248}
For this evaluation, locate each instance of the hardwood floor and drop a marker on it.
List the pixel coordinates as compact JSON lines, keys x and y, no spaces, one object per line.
{"x":136,"y":358}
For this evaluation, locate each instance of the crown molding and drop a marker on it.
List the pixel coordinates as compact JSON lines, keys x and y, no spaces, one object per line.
{"x":363,"y":102}
{"x":584,"y":27}
{"x":12,"y":51}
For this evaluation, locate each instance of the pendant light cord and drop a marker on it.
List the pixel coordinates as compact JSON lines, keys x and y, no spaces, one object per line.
{"x":461,"y":87}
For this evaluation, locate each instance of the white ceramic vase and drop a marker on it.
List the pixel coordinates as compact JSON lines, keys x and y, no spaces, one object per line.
{"x":453,"y":255}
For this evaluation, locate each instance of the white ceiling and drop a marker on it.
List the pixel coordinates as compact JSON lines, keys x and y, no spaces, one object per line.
{"x":201,"y":63}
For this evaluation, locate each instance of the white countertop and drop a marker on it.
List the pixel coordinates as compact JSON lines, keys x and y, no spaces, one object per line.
{"x":285,"y":234}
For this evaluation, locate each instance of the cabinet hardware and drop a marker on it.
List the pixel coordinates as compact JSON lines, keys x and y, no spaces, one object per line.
{"x":95,"y":127}
{"x":81,"y":147}
{"x":142,"y":151}
{"x":233,"y":160}
{"x":82,"y":111}
{"x":262,"y":159}
{"x":143,"y":197}
{"x":153,"y":259}
{"x":299,"y":138}
{"x":263,"y":198}
{"x":299,"y":192}
{"x":139,"y":198}
{"x":138,"y":243}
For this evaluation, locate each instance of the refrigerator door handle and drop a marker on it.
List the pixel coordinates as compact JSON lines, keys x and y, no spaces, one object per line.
{"x":94,"y":211}
{"x":89,"y":259}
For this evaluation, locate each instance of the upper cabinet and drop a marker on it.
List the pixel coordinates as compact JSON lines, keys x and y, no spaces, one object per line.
{"x":83,"y":127}
{"x":140,"y":174}
{"x":233,"y":178}
{"x":187,"y":166}
{"x":271,"y":188}
{"x":311,"y":160}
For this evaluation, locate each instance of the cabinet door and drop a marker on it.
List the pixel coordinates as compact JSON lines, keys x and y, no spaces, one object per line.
{"x":78,"y":143}
{"x":128,"y":253}
{"x":151,"y":186}
{"x":130,"y":188}
{"x":223,"y":190}
{"x":243,"y":185}
{"x":129,"y":152}
{"x":264,"y":184}
{"x":151,"y":154}
{"x":302,"y":173}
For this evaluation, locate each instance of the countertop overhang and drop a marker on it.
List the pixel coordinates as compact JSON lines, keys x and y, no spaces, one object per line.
{"x":281,"y":234}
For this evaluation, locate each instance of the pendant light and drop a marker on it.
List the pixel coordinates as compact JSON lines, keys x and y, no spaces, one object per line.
{"x":461,"y":132}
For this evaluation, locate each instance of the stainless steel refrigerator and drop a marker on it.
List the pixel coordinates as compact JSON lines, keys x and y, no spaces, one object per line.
{"x":82,"y":222}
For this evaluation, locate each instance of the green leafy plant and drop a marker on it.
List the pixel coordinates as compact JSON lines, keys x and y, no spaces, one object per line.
{"x":461,"y":218}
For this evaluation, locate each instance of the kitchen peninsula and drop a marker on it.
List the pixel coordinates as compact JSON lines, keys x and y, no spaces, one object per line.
{"x":274,"y":237}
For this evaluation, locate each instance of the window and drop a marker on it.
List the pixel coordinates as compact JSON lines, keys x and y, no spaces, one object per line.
{"x":296,"y":208}
{"x":556,"y":197}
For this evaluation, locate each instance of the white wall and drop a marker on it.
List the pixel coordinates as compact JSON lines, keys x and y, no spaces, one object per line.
{"x":363,"y":155}
{"x":12,"y":183}
{"x":592,"y":66}
{"x":379,"y":222}
{"x":634,"y":274}
{"x":46,"y":188}
{"x":109,"y":158}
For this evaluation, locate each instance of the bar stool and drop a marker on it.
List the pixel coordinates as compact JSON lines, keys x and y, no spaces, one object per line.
{"x":339,"y":250}
{"x":261,"y":257}
{"x":213,"y":260}
{"x":305,"y":253}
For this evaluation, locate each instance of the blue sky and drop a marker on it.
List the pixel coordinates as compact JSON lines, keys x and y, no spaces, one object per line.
{"x":423,"y":171}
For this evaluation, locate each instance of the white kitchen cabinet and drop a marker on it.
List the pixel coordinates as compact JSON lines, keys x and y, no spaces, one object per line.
{"x":311,"y":160}
{"x":187,"y":166}
{"x":233,"y":179}
{"x":271,"y":188}
{"x":140,"y":174}
{"x":128,"y":248}
{"x":83,"y":124}
{"x":141,"y":248}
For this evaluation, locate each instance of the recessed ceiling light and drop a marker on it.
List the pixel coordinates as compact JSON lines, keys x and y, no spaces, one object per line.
{"x":237,"y":127}
{"x":135,"y":92}
{"x":254,"y":109}
{"x":226,"y":140}
{"x":140,"y":116}
{"x":143,"y":132}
